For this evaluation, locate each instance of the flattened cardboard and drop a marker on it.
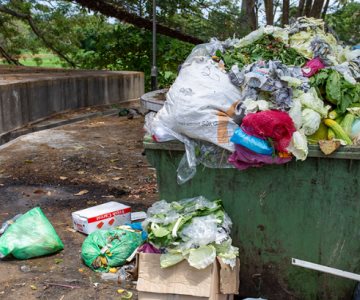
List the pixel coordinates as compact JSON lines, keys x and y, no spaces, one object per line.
{"x":229,"y":278}
{"x":183,"y":282}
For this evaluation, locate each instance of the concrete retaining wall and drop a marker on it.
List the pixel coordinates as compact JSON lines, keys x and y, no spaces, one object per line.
{"x":28,"y":95}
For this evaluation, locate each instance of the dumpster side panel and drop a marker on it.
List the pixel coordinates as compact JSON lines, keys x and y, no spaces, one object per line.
{"x":308,"y":210}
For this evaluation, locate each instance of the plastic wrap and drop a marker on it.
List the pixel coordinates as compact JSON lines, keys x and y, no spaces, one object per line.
{"x":252,"y":143}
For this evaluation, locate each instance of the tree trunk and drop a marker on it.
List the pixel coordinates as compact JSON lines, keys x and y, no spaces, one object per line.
{"x":316,"y":8}
{"x":9,"y":59}
{"x":251,"y":13}
{"x":325,"y":9}
{"x":308,"y":4}
{"x":300,"y":9}
{"x":285,"y":13}
{"x":118,"y":12}
{"x":269,"y":8}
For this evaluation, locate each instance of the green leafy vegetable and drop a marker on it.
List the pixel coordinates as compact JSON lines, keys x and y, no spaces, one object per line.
{"x":266,"y":48}
{"x":333,"y":87}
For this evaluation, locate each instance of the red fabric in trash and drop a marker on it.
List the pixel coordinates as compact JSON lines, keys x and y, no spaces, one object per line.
{"x":244,"y":158}
{"x":273,"y":124}
{"x":312,"y":67}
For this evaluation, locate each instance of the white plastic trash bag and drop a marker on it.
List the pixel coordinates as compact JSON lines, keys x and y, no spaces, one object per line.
{"x":200,"y":104}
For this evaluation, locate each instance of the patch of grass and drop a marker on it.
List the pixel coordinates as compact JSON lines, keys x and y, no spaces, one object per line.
{"x":41,"y":60}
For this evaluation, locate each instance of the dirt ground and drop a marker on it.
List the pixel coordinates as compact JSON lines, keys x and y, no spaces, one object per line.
{"x":103,"y":158}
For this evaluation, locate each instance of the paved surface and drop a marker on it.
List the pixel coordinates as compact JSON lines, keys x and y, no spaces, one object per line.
{"x":47,"y":168}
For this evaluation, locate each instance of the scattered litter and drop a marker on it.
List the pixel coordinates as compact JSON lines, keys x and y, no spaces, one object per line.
{"x":83,"y":192}
{"x":25,"y":269}
{"x":138,"y":215}
{"x":58,"y":260}
{"x":33,"y":287}
{"x":125,"y":294}
{"x":62,"y":285}
{"x":103,"y":216}
{"x":23,"y":243}
{"x":70,"y":229}
{"x":63,"y":177}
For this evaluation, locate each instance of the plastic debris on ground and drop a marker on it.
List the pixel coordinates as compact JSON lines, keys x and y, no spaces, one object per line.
{"x":23,"y":243}
{"x":195,"y":229}
{"x":301,"y":71}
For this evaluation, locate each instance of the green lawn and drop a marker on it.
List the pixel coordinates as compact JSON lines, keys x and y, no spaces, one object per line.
{"x":42,"y":59}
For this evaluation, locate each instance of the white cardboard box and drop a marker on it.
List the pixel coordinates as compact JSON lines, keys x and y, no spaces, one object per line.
{"x":183,"y":282}
{"x":102,"y":216}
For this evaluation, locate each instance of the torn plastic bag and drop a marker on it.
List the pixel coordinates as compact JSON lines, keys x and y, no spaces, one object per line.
{"x":207,"y":154}
{"x":252,"y":143}
{"x":244,"y":158}
{"x":103,"y":249}
{"x":23,"y":243}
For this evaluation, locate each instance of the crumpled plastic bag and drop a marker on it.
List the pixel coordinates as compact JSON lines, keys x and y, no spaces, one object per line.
{"x":252,"y":143}
{"x":312,"y":67}
{"x":30,"y":236}
{"x":244,"y":158}
{"x":103,"y":249}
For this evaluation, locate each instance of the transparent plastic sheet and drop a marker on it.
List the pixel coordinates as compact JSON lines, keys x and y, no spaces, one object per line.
{"x":157,"y":131}
{"x":164,"y":208}
{"x":200,"y":152}
{"x":201,"y":231}
{"x":197,"y":203}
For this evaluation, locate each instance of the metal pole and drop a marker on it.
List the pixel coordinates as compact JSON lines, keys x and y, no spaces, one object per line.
{"x":154,"y":70}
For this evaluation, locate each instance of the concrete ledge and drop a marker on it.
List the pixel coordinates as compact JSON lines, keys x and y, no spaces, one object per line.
{"x":31,"y":94}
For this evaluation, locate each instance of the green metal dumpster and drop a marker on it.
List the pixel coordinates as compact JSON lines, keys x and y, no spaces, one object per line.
{"x":307,"y":210}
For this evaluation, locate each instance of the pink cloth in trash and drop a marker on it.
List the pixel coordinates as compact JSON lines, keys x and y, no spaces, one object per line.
{"x":148,"y":248}
{"x":244,"y":158}
{"x":312,"y":67}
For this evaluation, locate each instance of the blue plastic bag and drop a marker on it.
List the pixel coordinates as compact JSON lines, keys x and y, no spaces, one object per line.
{"x":251,"y":142}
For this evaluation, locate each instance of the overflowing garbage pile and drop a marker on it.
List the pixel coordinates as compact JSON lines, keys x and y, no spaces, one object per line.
{"x":195,"y":229}
{"x":262,"y":99}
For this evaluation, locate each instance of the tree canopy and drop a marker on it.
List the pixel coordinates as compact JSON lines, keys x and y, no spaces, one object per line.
{"x":116,"y":35}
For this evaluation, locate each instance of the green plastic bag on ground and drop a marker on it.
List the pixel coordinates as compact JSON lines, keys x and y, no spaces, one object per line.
{"x":31,"y":235}
{"x":104,"y":249}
